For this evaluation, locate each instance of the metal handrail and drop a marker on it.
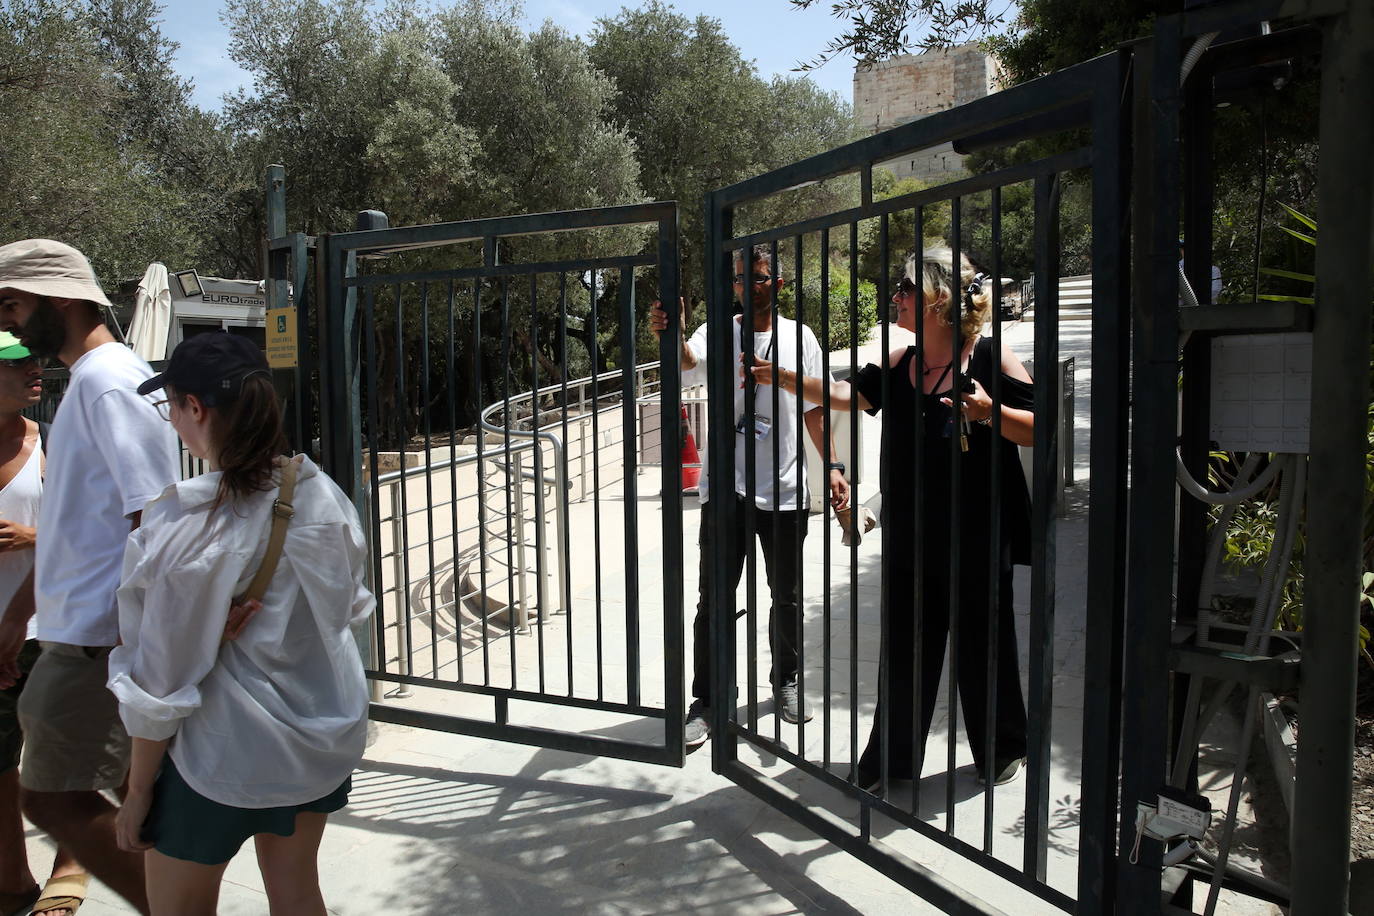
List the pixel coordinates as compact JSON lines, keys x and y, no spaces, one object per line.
{"x":561,"y":504}
{"x":524,"y":440}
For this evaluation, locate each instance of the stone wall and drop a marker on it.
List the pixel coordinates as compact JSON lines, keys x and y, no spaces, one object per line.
{"x":915,"y":85}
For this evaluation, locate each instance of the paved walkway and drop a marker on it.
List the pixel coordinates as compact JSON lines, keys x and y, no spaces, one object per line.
{"x":443,"y":824}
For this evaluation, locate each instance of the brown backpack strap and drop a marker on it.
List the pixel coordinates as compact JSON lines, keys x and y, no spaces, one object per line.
{"x":282,"y":511}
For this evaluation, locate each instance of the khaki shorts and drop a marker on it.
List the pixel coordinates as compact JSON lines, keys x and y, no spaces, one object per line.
{"x":74,"y":740}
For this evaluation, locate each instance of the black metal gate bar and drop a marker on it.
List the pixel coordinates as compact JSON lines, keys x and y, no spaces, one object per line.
{"x":1044,"y":508}
{"x":1086,"y":96}
{"x":994,"y":527}
{"x":1149,"y":597}
{"x":626,"y":293}
{"x":1107,"y":541}
{"x":798,"y":632}
{"x":1340,"y":354}
{"x":918,"y":540}
{"x":522,"y":480}
{"x":985,"y":181}
{"x":826,"y":639}
{"x":956,"y":475}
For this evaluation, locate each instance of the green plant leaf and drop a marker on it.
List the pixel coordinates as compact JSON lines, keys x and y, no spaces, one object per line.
{"x":1307,"y":221}
{"x":1307,"y":300}
{"x":1299,"y":236}
{"x":1290,"y":274}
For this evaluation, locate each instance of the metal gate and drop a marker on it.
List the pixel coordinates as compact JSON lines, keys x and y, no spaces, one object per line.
{"x":480,"y":383}
{"x":1084,"y":110}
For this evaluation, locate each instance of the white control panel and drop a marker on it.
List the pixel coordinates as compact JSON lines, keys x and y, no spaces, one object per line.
{"x":1262,"y":392}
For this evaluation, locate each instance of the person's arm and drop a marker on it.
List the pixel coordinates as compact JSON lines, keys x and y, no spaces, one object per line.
{"x":658,"y":323}
{"x":143,"y":767}
{"x":834,"y":477}
{"x":810,"y":388}
{"x":1018,"y":424}
{"x":166,"y":652}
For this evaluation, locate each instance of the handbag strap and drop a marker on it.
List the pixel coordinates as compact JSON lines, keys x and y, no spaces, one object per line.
{"x":282,"y":511}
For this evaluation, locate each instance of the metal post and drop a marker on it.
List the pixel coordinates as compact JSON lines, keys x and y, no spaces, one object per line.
{"x":1340,"y":396}
{"x":515,"y":480}
{"x":1107,"y":453}
{"x":1149,"y":600}
{"x":403,"y":645}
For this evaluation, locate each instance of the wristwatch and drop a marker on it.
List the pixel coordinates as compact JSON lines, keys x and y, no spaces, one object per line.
{"x":835,"y":466}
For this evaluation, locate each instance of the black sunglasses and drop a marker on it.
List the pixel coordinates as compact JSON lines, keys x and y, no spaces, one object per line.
{"x":759,"y":279}
{"x":905,"y":286}
{"x":20,"y":361}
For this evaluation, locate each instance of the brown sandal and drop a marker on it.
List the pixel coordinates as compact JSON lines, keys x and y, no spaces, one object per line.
{"x":65,"y":893}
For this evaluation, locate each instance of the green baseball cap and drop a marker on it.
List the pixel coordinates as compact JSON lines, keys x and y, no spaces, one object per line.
{"x":11,"y":348}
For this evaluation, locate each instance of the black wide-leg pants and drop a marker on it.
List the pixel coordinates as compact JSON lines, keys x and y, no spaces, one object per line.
{"x":905,"y":755}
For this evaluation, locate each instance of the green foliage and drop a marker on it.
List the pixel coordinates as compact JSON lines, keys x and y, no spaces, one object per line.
{"x":835,"y":332}
{"x":701,"y":118}
{"x":80,"y":161}
{"x":879,"y":29}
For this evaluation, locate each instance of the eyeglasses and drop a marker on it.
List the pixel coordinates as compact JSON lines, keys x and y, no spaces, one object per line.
{"x":164,"y":408}
{"x":20,"y":361}
{"x":756,"y":279}
{"x":905,"y":286}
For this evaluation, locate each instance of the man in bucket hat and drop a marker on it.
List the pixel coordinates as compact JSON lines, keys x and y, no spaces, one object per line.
{"x":109,"y":453}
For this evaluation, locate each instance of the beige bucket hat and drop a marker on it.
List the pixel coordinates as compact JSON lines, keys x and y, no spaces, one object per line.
{"x":47,"y":268}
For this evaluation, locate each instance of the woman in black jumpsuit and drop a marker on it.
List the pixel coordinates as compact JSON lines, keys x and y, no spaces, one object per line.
{"x":919,"y":389}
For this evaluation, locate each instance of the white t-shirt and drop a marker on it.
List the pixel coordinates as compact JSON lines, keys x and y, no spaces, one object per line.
{"x":781,"y":351}
{"x":19,"y":501}
{"x":279,"y":715}
{"x":109,"y":453}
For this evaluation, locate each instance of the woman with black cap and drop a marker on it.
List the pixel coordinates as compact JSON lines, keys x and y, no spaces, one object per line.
{"x":241,"y":729}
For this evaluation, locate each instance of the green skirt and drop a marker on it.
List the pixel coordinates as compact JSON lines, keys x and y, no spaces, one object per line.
{"x":184,"y":824}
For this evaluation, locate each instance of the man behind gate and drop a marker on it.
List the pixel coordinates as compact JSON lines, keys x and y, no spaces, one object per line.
{"x":781,"y":501}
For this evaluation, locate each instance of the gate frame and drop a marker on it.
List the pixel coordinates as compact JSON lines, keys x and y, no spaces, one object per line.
{"x":341,"y":441}
{"x":1089,"y":94}
{"x":1179,"y":193}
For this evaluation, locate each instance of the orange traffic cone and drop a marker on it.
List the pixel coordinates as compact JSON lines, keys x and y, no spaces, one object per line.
{"x":691,"y":459}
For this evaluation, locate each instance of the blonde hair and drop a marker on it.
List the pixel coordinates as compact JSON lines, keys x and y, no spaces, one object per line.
{"x":935,"y":283}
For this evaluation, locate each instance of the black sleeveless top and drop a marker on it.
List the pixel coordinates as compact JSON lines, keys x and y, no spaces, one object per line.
{"x":974,"y":501}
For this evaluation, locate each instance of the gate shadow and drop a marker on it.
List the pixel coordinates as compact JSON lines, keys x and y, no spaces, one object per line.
{"x":529,"y":844}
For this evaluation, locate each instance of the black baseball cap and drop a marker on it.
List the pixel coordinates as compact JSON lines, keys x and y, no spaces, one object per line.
{"x":212,"y":366}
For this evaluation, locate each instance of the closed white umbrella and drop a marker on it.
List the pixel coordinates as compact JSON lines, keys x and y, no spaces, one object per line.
{"x":152,"y":314}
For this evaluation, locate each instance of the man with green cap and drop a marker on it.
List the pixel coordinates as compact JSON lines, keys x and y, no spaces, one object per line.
{"x":108,"y":455}
{"x":21,"y":491}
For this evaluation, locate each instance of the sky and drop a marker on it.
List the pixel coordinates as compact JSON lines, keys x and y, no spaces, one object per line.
{"x":773,"y":33}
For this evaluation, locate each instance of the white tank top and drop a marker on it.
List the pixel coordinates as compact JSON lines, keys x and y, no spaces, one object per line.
{"x":19,"y":503}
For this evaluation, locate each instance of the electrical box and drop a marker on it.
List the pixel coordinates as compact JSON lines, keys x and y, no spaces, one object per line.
{"x":1262,"y":392}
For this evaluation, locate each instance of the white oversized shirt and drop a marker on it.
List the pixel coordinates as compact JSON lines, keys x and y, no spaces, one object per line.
{"x":279,"y":715}
{"x":19,"y":502}
{"x":781,"y":352}
{"x":109,"y":453}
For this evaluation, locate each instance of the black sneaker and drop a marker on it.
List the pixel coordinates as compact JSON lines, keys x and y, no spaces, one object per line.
{"x":698,"y":725}
{"x":788,"y":700}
